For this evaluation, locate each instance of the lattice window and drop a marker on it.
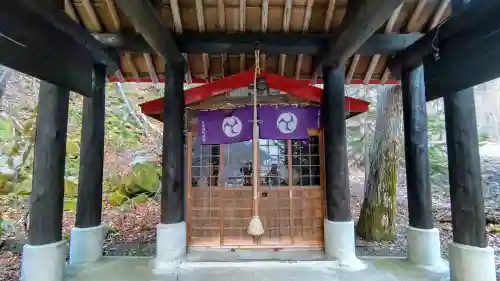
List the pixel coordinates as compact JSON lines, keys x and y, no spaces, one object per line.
{"x":273,"y":168}
{"x":306,"y":162}
{"x":206,"y":165}
{"x":237,"y":160}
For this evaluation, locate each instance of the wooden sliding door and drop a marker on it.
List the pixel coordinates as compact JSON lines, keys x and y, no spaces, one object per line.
{"x":290,"y":194}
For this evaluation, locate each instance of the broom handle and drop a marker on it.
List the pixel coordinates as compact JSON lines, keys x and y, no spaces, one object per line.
{"x":255,"y":148}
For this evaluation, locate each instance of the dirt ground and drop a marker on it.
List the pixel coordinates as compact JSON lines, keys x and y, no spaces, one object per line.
{"x":134,"y":232}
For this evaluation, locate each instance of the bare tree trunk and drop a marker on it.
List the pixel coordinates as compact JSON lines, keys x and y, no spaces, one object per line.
{"x":5,"y":74}
{"x":376,"y":221}
{"x":364,"y":132}
{"x":147,"y":127}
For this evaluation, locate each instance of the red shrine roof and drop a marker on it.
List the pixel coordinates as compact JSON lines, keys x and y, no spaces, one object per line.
{"x":298,"y":88}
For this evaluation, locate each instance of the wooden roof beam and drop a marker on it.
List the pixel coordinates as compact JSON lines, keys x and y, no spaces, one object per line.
{"x":411,"y":26}
{"x":362,"y":19}
{"x":63,"y":24}
{"x":455,"y":27}
{"x":438,"y":15}
{"x":388,"y":28}
{"x":467,"y":57}
{"x":146,"y":21}
{"x":26,"y":27}
{"x":214,"y":43}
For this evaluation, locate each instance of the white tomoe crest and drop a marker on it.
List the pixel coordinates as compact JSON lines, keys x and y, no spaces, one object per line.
{"x":231,"y":126}
{"x":287,"y":123}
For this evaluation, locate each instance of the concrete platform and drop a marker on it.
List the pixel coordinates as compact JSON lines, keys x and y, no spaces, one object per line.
{"x":234,"y":255}
{"x":142,"y":269}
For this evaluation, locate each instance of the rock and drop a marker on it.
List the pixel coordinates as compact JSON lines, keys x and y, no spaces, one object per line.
{"x":13,"y":245}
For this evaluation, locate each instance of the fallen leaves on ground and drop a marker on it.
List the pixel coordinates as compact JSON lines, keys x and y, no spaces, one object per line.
{"x":134,"y":231}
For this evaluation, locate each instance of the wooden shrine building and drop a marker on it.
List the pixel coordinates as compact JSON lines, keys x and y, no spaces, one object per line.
{"x":434,"y":48}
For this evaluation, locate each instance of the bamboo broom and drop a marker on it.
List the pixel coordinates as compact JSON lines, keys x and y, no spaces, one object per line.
{"x":255,"y":227}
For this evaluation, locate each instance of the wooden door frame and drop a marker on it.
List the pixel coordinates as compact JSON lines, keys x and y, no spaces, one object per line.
{"x":291,"y":188}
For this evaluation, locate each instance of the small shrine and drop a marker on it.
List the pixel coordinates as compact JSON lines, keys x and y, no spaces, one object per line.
{"x":255,"y":171}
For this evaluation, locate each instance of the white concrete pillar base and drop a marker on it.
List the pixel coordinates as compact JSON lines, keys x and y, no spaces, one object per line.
{"x":424,"y":248}
{"x":340,"y":244}
{"x":86,"y":244}
{"x":171,"y":244}
{"x":44,"y":262}
{"x":471,"y":263}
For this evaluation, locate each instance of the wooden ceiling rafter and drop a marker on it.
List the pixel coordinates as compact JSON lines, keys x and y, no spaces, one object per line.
{"x":113,"y":12}
{"x":128,"y":60}
{"x":305,"y":27}
{"x":437,"y":18}
{"x":201,"y":27}
{"x":327,"y":26}
{"x":352,"y":68}
{"x":96,"y":23}
{"x":25,"y":28}
{"x":70,"y":11}
{"x":287,"y":14}
{"x":415,"y":15}
{"x":411,"y":23}
{"x":242,"y":27}
{"x":388,"y":29}
{"x":176,"y":16}
{"x":264,"y":19}
{"x":116,"y":22}
{"x":362,"y":19}
{"x":221,"y":22}
{"x":147,"y":22}
{"x":151,"y":68}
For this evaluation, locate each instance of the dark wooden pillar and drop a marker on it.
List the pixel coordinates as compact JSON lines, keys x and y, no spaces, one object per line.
{"x":48,"y":171}
{"x":334,"y":132}
{"x":416,"y":149}
{"x":89,"y":205}
{"x":466,"y":192}
{"x":172,"y":193}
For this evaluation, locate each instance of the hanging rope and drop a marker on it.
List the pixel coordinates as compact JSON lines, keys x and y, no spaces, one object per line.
{"x":255,"y":227}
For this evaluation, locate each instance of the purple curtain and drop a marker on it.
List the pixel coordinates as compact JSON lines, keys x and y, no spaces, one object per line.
{"x":217,"y":127}
{"x":288,"y":122}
